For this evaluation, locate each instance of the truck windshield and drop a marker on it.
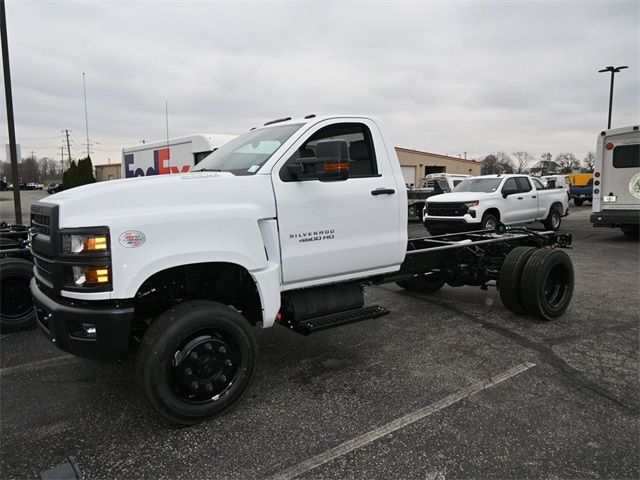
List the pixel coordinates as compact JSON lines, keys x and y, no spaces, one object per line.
{"x":486,"y":185}
{"x":245,"y":154}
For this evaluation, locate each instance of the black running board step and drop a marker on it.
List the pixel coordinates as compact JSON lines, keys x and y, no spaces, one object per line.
{"x":336,"y":319}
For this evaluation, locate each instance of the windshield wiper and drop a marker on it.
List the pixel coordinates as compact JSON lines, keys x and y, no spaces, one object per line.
{"x":207,"y":170}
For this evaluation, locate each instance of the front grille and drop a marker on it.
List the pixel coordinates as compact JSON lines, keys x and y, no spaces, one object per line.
{"x":44,"y":268}
{"x":41,"y":223}
{"x":446,"y":209}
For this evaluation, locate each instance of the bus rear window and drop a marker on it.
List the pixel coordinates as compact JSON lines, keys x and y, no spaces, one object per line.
{"x":626,"y":156}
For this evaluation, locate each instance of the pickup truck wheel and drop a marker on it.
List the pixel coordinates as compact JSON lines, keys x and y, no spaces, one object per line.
{"x":510,"y":279}
{"x":630,"y":231}
{"x":578,"y":202}
{"x":489,"y":222}
{"x":423,"y":284}
{"x":16,"y":304}
{"x":554,"y":219}
{"x":547,"y":283}
{"x":196,"y":360}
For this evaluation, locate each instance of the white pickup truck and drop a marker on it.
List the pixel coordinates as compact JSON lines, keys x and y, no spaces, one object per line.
{"x":482,"y":202}
{"x":282,"y":225}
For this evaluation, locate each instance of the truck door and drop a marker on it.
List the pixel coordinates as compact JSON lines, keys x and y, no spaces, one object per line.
{"x":527,"y":200}
{"x":345,"y":228}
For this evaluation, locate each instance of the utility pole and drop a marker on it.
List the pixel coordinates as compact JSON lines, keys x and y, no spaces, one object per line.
{"x":86,"y":117}
{"x":68,"y":145}
{"x":10,"y":122}
{"x":61,"y":159}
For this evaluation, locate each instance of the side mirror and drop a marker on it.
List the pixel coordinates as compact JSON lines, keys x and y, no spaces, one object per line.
{"x":508,"y":191}
{"x":334,"y":156}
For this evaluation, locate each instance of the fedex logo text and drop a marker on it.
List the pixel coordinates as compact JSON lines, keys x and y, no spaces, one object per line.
{"x":160,"y":166}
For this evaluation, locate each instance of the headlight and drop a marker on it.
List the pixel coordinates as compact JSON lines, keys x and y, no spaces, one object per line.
{"x":472,"y":204}
{"x":84,"y":243}
{"x":90,"y":276}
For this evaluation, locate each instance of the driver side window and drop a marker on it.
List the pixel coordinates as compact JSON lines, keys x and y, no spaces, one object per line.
{"x":362,"y":161}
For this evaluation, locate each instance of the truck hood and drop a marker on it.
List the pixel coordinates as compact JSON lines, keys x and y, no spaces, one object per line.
{"x":103,"y":202}
{"x":460,"y":197}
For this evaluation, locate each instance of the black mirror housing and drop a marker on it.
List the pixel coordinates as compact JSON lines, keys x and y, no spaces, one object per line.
{"x":334,"y":156}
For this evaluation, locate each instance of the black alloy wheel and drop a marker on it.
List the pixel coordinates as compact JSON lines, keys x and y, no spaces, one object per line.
{"x":196,"y":360}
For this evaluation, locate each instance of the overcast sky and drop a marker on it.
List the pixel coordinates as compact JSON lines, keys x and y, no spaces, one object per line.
{"x":445,"y":77}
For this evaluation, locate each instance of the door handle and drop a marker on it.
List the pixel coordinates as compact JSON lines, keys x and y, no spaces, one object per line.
{"x":533,"y":196}
{"x":519,"y":198}
{"x":383,"y":191}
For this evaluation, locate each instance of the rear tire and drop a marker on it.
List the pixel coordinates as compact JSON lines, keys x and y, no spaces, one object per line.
{"x":553,"y":221}
{"x":510,"y":279}
{"x":578,"y":202}
{"x":547,"y":284}
{"x":196,"y":360}
{"x":423,"y":283}
{"x":16,"y":303}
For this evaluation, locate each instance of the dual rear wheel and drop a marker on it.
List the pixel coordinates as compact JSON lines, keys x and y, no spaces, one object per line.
{"x":536,"y":282}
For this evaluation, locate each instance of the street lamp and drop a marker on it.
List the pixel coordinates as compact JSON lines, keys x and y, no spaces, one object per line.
{"x":613,"y":71}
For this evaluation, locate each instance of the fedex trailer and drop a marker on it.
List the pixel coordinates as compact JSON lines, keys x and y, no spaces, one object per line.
{"x":174,"y":155}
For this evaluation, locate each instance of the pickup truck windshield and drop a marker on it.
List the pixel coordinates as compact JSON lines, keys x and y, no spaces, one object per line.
{"x":245,"y":154}
{"x":486,"y":185}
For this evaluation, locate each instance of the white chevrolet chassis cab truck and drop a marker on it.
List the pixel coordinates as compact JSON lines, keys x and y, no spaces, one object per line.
{"x":284,"y":224}
{"x":483,"y":202}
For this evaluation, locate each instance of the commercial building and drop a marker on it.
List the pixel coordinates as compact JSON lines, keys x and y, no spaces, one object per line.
{"x":416,"y":164}
{"x":110,"y":171}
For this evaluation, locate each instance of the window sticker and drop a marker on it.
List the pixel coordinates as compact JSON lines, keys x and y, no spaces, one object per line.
{"x":253,"y":168}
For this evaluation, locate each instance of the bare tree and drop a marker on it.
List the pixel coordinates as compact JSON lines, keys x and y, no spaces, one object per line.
{"x":498,"y":162}
{"x":522,"y":159}
{"x":589,"y":161}
{"x":567,"y":161}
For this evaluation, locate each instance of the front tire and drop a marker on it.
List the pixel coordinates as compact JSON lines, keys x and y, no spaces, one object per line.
{"x":196,"y":360}
{"x":489,"y":221}
{"x":547,"y":284}
{"x":16,"y":303}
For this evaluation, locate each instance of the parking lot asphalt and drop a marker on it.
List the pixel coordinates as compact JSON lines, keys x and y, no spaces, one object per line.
{"x":449,"y":385}
{"x":27,"y":197}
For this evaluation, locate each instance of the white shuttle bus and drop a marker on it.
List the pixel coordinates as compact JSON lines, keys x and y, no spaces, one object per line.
{"x":616,"y":185}
{"x":175,"y":155}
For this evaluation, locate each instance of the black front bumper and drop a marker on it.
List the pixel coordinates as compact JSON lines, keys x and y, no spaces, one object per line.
{"x":615,"y":218}
{"x":437,"y":227}
{"x":65,"y":322}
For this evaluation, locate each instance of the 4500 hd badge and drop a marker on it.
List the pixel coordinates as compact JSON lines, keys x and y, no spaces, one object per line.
{"x":314,"y":236}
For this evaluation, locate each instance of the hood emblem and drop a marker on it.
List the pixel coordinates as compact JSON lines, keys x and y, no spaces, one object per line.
{"x":132,"y":239}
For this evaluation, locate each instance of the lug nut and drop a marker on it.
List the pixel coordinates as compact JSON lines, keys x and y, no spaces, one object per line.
{"x":188,"y":372}
{"x":193,"y":355}
{"x":194,"y":385}
{"x":228,"y":362}
{"x":222,"y":350}
{"x":223,"y":378}
{"x":208,"y":347}
{"x":208,"y":387}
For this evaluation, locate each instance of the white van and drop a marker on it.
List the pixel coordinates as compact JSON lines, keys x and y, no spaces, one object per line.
{"x":175,"y":155}
{"x":616,"y":180}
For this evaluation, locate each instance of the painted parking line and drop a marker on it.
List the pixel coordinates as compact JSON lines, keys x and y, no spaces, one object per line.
{"x":399,"y":423}
{"x":25,"y":367}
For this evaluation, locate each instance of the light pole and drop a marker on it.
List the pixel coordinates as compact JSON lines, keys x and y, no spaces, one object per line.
{"x":613,"y":71}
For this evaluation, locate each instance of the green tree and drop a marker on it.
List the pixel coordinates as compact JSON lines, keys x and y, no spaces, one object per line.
{"x":78,"y":174}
